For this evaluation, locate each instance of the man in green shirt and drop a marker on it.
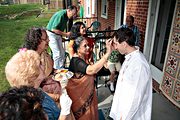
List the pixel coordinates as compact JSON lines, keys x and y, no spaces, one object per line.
{"x":55,"y":30}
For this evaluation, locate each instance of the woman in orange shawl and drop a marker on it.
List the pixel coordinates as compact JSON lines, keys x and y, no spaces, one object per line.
{"x":81,"y":87}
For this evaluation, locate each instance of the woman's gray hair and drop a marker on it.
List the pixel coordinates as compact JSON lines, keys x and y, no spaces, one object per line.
{"x":77,"y":43}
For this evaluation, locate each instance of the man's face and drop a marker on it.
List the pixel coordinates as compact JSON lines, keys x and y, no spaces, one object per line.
{"x":119,"y":46}
{"x":129,"y":22}
{"x":73,"y":14}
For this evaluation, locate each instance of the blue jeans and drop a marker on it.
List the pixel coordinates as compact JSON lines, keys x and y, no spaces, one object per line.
{"x":58,"y":51}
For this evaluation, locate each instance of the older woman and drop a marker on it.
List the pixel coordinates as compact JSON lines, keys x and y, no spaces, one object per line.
{"x":81,"y":87}
{"x":37,"y":39}
{"x":25,"y":68}
{"x":79,"y":29}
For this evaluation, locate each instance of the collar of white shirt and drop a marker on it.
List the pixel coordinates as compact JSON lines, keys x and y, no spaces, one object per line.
{"x":130,"y":54}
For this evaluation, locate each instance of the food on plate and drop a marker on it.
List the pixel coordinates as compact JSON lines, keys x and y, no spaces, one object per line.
{"x":62,"y":71}
{"x":62,"y":74}
{"x":58,"y":76}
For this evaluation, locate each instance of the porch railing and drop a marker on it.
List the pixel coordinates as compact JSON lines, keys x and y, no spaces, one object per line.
{"x":100,"y":38}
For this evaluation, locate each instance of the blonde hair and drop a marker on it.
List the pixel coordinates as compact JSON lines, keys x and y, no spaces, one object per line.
{"x":23,"y":68}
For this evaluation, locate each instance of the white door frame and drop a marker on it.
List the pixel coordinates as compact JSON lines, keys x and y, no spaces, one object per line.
{"x":118,"y":13}
{"x":87,"y":8}
{"x":153,"y":13}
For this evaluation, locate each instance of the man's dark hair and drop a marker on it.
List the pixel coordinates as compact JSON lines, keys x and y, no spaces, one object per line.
{"x":125,"y":34}
{"x":33,"y":38}
{"x":131,"y":17}
{"x":72,"y":7}
{"x":24,"y":103}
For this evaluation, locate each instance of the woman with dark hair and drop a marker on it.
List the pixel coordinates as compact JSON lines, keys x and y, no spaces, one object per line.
{"x":81,"y":87}
{"x":37,"y":39}
{"x":24,"y":103}
{"x":79,"y":29}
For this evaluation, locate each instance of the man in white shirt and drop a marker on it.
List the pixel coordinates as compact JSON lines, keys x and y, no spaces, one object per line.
{"x":133,"y":95}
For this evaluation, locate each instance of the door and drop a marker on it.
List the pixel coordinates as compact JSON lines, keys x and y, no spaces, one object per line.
{"x":119,"y":13}
{"x":160,"y":19}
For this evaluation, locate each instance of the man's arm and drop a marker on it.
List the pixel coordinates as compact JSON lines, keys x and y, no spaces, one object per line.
{"x":59,"y":32}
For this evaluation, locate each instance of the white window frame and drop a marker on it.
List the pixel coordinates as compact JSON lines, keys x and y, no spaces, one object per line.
{"x":88,"y":10}
{"x":93,"y":6}
{"x":104,"y":9}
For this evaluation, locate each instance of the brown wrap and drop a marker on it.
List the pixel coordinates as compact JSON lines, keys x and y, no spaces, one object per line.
{"x":84,"y":98}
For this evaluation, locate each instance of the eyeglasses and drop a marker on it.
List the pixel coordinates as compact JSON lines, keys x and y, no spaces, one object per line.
{"x":46,"y":39}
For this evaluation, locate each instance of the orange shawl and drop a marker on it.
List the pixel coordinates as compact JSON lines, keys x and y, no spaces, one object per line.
{"x":84,"y":98}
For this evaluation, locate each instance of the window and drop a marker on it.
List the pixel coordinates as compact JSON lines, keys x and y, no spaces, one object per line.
{"x":93,"y":6}
{"x":104,"y":9}
{"x":88,"y":14}
{"x":162,"y":33}
{"x":45,"y":2}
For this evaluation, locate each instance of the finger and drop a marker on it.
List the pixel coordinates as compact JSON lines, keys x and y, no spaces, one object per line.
{"x":109,"y":39}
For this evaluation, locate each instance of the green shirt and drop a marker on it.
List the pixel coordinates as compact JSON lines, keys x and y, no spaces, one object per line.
{"x":58,"y":21}
{"x":114,"y":57}
{"x":81,"y":13}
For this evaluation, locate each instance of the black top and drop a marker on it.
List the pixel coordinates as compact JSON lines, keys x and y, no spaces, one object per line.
{"x":78,"y":65}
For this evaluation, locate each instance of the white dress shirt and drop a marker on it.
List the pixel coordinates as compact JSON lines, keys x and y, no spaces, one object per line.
{"x":133,"y":96}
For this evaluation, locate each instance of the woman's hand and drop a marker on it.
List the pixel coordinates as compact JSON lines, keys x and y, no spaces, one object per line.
{"x":109,"y":45}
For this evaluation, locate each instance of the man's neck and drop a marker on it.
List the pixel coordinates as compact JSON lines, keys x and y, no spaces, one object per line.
{"x":131,"y":27}
{"x":130,"y":50}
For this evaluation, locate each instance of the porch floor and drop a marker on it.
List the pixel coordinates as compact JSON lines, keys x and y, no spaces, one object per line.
{"x":162,"y":109}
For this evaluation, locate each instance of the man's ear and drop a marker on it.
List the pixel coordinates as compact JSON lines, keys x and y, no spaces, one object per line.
{"x":124,"y":44}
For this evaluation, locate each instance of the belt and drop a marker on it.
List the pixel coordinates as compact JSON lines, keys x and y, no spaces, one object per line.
{"x":64,"y":39}
{"x":53,"y":32}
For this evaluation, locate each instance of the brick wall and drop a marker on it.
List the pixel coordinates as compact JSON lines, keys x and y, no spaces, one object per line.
{"x":109,"y":22}
{"x":139,"y":9}
{"x":55,"y":4}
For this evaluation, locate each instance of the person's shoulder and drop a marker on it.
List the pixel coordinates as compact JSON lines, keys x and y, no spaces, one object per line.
{"x":123,"y":26}
{"x":76,"y":59}
{"x":140,"y":60}
{"x":64,"y":10}
{"x":136,"y":27}
{"x":61,"y":12}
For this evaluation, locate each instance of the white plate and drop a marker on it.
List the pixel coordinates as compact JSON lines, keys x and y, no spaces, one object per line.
{"x":65,"y":76}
